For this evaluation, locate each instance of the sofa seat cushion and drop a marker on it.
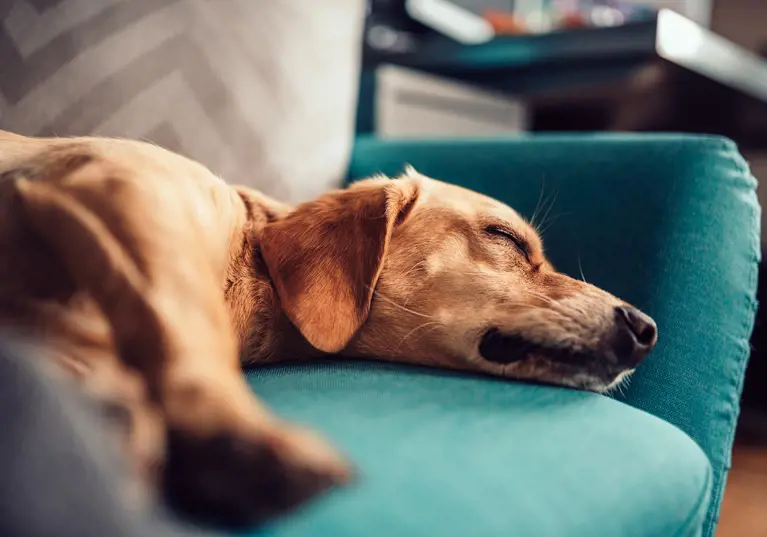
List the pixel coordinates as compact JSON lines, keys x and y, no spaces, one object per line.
{"x":442,"y":454}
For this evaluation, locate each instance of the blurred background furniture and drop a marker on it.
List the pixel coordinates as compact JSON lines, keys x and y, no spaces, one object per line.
{"x":657,"y":72}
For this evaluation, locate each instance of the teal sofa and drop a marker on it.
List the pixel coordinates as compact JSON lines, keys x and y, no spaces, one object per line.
{"x":671,"y":224}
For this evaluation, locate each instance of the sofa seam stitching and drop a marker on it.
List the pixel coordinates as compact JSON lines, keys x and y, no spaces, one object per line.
{"x":717,"y":491}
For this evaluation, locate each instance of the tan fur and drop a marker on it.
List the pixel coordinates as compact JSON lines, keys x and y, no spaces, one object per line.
{"x":152,"y":281}
{"x":117,"y":256}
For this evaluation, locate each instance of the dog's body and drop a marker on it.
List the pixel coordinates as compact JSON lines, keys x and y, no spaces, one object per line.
{"x":152,"y":281}
{"x":118,"y":257}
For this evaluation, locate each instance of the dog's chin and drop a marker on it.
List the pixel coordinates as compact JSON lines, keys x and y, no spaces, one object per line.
{"x":619,"y":379}
{"x":594,"y":383}
{"x":525,"y":360}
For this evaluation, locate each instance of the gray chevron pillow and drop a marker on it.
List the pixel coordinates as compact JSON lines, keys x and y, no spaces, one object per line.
{"x":262,"y":92}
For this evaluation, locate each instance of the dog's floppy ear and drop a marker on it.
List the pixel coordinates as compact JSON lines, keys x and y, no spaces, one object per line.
{"x":325,"y":257}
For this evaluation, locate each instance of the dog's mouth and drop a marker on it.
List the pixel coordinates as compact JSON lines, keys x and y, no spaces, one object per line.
{"x":503,"y":349}
{"x":583,"y":369}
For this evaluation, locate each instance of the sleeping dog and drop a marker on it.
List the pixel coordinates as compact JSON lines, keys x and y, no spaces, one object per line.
{"x":150,"y":282}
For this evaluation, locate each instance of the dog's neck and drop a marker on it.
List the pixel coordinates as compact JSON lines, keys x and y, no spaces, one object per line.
{"x":264,"y":333}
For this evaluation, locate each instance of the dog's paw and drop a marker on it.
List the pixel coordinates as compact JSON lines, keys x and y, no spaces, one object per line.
{"x":237,"y":481}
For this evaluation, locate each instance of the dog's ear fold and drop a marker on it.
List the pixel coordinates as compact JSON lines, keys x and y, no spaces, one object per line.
{"x":326,"y":256}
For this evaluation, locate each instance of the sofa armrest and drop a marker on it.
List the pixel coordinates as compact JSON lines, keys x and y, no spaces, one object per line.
{"x":669,"y":223}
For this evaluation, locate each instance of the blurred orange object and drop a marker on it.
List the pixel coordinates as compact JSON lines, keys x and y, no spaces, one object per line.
{"x":504,"y":23}
{"x":573,"y":20}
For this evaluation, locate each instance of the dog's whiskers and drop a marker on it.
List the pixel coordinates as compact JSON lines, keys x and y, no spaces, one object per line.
{"x":411,"y":269}
{"x":580,"y":267}
{"x":400,"y":306}
{"x":619,"y":386}
{"x":543,"y":297}
{"x":433,"y":324}
{"x":624,"y":383}
{"x":552,"y":220}
{"x":550,"y":206}
{"x":538,"y":205}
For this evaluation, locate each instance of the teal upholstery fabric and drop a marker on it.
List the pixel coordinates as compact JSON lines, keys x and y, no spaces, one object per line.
{"x":450,"y":455}
{"x":669,"y":223}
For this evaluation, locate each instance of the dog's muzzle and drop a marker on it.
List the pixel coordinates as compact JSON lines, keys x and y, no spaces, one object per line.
{"x":630,"y":338}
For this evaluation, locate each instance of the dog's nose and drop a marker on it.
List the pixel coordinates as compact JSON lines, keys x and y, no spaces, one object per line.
{"x":636,"y":335}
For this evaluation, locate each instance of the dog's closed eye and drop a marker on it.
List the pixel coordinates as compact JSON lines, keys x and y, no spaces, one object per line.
{"x":509,"y":235}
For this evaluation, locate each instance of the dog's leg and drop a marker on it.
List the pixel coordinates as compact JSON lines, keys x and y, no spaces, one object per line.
{"x":229,"y":459}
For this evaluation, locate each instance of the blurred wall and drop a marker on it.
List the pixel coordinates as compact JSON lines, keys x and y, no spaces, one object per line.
{"x":742,"y":21}
{"x":745,"y":23}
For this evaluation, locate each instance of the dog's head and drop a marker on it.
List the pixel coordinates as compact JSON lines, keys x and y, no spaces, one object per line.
{"x":416,"y":270}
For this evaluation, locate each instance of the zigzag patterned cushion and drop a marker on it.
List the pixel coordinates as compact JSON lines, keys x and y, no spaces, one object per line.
{"x":244,"y":87}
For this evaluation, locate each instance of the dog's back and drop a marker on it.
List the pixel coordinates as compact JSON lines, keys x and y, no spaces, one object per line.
{"x":116,"y":256}
{"x":38,"y":295}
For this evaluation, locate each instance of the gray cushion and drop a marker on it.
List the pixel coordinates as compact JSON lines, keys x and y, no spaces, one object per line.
{"x":261,"y":92}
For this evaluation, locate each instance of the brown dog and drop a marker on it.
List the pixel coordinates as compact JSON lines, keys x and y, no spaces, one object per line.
{"x":152,"y":281}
